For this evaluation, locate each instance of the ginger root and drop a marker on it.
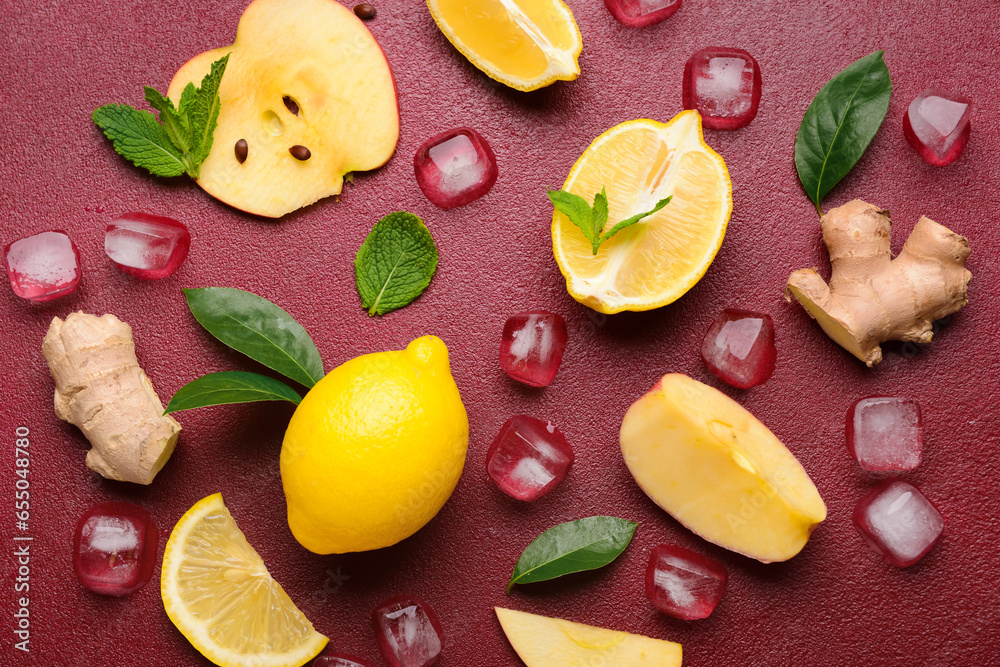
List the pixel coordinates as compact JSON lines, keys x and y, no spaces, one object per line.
{"x":873,"y":298}
{"x":101,"y":389}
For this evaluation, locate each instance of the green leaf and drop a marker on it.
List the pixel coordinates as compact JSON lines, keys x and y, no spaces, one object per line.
{"x":591,"y":221}
{"x":599,"y":217}
{"x":259,"y":329}
{"x":138,"y":138}
{"x":176,"y":125}
{"x":576,"y":208}
{"x":585,"y":544}
{"x":188,"y":96}
{"x":230,"y":387}
{"x":840,"y":123}
{"x":628,"y":222}
{"x":395,"y":264}
{"x":203,"y":111}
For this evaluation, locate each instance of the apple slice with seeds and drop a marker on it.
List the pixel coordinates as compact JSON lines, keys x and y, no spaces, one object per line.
{"x":307,"y":97}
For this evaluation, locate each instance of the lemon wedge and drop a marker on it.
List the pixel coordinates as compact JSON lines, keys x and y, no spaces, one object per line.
{"x":656,"y":261}
{"x":525,"y":44}
{"x":218,"y":593}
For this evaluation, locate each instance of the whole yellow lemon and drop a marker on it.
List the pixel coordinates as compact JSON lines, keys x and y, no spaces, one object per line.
{"x":374,"y":450}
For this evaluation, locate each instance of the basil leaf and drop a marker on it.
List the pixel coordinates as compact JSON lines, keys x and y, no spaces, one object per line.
{"x":230,"y":387}
{"x":259,"y":329}
{"x":576,"y":546}
{"x":395,"y":264}
{"x":840,"y":123}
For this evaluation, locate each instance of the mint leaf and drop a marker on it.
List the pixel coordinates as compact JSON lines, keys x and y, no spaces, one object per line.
{"x":203,"y":111}
{"x":395,"y":264}
{"x":230,"y":387}
{"x":138,"y":138}
{"x":840,"y":123}
{"x":259,"y":329}
{"x":575,"y":546}
{"x":173,"y":122}
{"x":575,"y":208}
{"x":592,"y":221}
{"x":628,"y":222}
{"x":184,"y":139}
{"x":188,"y":96}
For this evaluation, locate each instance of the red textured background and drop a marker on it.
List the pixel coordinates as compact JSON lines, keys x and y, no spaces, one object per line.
{"x":834,"y":604}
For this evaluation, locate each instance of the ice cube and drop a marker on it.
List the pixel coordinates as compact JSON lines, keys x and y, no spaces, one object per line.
{"x":640,"y":13}
{"x":885,"y":433}
{"x":898,"y":522}
{"x":408,"y":632}
{"x":739,"y":348}
{"x":937,"y":125}
{"x":684,"y":584}
{"x":528,"y":458}
{"x":43,"y":267}
{"x":455,"y":167}
{"x":114,"y":548}
{"x":532,"y":346}
{"x":724,"y":85}
{"x":147,"y":246}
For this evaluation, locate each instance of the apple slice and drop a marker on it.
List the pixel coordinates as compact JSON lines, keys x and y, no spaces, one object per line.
{"x":305,"y":73}
{"x":541,"y":641}
{"x":709,"y":463}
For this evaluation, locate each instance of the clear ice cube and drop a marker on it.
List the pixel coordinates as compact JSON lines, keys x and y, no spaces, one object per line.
{"x":114,"y":548}
{"x":528,"y":458}
{"x":532,"y":346}
{"x":684,"y":584}
{"x":898,"y":522}
{"x":937,"y":125}
{"x":455,"y":167}
{"x":641,"y":13}
{"x":739,"y":348}
{"x":147,"y":246}
{"x":43,"y":267}
{"x":408,"y":632}
{"x":724,"y":85}
{"x":885,"y":433}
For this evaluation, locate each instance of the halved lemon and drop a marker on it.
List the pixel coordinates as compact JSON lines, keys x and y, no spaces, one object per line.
{"x":526,"y":44}
{"x":656,"y":261}
{"x":218,"y":593}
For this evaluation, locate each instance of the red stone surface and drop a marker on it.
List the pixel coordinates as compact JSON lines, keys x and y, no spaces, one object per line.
{"x":833,"y":604}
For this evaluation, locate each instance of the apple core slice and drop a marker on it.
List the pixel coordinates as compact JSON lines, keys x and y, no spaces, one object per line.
{"x":708,"y":462}
{"x":301,"y":75}
{"x":541,"y":641}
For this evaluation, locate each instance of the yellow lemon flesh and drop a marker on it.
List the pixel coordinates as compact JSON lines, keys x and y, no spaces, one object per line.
{"x":656,"y":261}
{"x":374,"y":450}
{"x":525,"y":44}
{"x":218,"y":593}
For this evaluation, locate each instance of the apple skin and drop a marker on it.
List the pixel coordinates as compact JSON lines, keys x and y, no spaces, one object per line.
{"x":321,"y":55}
{"x":541,"y":641}
{"x":721,"y":473}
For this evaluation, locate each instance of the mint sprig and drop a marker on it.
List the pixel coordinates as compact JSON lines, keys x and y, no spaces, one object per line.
{"x":395,"y":264}
{"x":592,"y":219}
{"x":180,"y":141}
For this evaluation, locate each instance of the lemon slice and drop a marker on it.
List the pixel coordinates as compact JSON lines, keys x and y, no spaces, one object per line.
{"x":526,"y":44}
{"x":218,"y":593}
{"x":656,"y":261}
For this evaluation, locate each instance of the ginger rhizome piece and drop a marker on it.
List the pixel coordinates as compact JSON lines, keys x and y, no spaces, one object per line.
{"x":101,"y":389}
{"x":872,"y":297}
